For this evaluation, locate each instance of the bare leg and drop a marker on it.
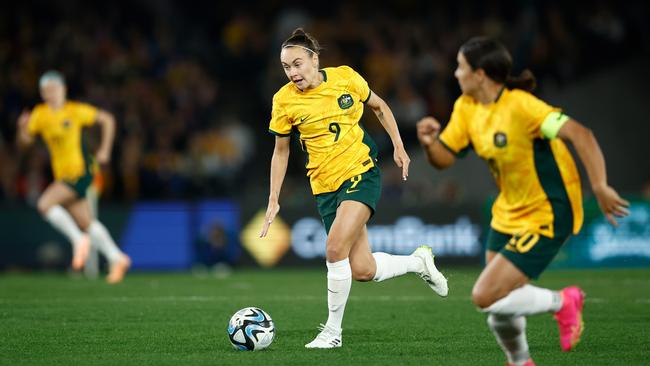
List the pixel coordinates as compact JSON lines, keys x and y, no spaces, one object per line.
{"x":498,"y":278}
{"x":118,"y":261}
{"x":378,"y":266}
{"x":57,"y":193}
{"x":502,"y":290}
{"x":351,"y":218}
{"x":50,"y":204}
{"x":362,"y":261}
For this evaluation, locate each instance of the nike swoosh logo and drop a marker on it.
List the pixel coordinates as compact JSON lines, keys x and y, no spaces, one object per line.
{"x":303,"y":119}
{"x":334,"y":292}
{"x":351,"y":191}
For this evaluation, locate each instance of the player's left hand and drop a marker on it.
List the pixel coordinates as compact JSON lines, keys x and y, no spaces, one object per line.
{"x":402,"y":160}
{"x":611,"y":203}
{"x":103,"y":157}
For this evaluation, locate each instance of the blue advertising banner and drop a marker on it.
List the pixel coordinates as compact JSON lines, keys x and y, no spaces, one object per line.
{"x":176,"y":235}
{"x":158,"y":236}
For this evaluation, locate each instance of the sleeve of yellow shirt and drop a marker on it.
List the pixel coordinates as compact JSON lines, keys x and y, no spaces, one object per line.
{"x":536,"y":112}
{"x":360,"y":86}
{"x":280,"y":124}
{"x":86,"y":113}
{"x":34,"y":123}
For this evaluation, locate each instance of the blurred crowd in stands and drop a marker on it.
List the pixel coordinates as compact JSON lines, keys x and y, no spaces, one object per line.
{"x":191,"y":83}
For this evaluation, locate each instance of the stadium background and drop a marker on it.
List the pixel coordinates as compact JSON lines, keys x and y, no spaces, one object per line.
{"x":190,"y":84}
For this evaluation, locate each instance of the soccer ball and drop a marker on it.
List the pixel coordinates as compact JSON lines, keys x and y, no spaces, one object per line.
{"x":251,"y":329}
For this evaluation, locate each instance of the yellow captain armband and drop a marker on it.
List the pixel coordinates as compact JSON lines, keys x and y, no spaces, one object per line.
{"x":552,"y":124}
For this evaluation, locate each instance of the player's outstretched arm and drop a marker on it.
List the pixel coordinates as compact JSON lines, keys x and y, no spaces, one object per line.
{"x":24,"y":138}
{"x":592,"y":158}
{"x":428,"y":129}
{"x":107,"y":123}
{"x":279,"y":164}
{"x":387,"y":119}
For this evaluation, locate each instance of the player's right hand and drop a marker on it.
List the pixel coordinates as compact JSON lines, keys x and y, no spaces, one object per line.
{"x":428,"y":129}
{"x":271,"y":211}
{"x":23,"y":119}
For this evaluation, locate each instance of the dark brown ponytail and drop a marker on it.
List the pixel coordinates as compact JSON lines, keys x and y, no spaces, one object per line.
{"x":525,"y":81}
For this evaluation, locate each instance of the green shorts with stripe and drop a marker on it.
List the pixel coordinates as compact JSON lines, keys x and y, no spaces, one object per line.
{"x":364,"y":188}
{"x":530,"y":252}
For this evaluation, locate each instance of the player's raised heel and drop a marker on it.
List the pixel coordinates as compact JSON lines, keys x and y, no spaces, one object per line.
{"x":118,"y":270}
{"x":327,"y":338}
{"x":569,"y":317}
{"x":430,"y":274}
{"x":81,"y":251}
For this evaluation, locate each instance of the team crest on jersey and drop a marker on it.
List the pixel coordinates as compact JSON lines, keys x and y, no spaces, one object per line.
{"x":500,"y":139}
{"x":67,"y":123}
{"x":345,"y":101}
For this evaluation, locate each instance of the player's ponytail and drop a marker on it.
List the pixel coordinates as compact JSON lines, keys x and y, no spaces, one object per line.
{"x":491,"y":56}
{"x":302,"y":39}
{"x":525,"y":81}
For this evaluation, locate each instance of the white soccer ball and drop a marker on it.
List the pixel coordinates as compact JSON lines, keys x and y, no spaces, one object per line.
{"x":251,"y":329}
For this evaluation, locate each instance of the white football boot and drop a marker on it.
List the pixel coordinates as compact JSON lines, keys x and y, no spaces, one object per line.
{"x":430,"y":274}
{"x":327,"y":338}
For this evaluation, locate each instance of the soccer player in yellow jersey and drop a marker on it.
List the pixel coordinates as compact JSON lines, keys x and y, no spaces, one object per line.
{"x":323,"y":107}
{"x":63,"y":203}
{"x":522,"y":139}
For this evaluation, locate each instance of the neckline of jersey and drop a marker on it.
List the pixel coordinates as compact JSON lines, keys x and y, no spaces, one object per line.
{"x":496,"y":100}
{"x":56,"y":110}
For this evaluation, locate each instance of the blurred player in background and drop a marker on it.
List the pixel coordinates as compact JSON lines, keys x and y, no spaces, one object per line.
{"x":540,"y":202}
{"x":324,"y":106}
{"x":64,"y":203}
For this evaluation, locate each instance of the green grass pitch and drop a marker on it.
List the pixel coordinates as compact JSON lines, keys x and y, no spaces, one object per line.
{"x":180,"y":319}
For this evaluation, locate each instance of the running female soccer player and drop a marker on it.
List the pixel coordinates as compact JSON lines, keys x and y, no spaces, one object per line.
{"x":64,"y":204}
{"x":323,"y":107}
{"x":540,"y":202}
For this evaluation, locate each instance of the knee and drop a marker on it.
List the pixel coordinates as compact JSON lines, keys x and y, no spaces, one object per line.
{"x":83,"y":223}
{"x":482,"y":297}
{"x":335,"y":250}
{"x":43,"y":206}
{"x":362,"y":273}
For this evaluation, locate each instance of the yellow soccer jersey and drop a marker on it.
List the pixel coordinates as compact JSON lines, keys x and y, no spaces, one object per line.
{"x":61,"y":130}
{"x":532,"y":172}
{"x":326,"y":120}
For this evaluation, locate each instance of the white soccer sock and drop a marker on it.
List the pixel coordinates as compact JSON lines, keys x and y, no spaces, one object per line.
{"x":59,"y":217}
{"x":339,"y":281}
{"x":390,"y":266}
{"x":510,"y":333}
{"x":527,"y":300}
{"x":102,"y":239}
